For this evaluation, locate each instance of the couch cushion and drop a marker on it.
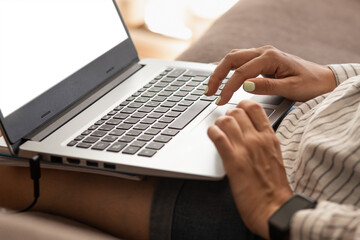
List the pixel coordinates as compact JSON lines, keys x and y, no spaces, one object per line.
{"x":320,"y":31}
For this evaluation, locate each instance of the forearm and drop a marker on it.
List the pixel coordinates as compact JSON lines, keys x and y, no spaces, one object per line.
{"x":343,"y":72}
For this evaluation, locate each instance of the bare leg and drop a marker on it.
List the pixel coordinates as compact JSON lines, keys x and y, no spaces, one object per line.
{"x":117,"y":206}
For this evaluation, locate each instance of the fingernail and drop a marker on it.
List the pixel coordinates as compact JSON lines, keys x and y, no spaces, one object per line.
{"x":218,"y":100}
{"x":206,"y":90}
{"x":249,"y":86}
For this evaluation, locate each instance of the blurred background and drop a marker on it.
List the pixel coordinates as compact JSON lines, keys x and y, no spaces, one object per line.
{"x":165,"y":28}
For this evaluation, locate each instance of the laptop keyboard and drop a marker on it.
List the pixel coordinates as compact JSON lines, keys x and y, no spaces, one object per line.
{"x":152,"y":116}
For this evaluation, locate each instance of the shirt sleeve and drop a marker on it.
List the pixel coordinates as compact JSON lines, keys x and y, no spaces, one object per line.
{"x":327,"y":221}
{"x":343,"y":72}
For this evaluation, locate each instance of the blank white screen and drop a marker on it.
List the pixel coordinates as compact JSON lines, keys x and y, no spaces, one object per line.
{"x":42,"y":42}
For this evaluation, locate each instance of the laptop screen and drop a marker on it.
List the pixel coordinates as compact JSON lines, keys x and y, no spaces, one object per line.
{"x":48,"y":41}
{"x":59,"y":48}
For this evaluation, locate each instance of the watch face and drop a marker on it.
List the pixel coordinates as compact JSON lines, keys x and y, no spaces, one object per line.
{"x":279,"y":222}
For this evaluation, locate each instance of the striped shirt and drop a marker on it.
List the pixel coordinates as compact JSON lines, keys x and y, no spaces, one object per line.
{"x":320,"y":142}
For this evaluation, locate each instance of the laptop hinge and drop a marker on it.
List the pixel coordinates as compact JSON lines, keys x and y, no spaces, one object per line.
{"x":82,"y":104}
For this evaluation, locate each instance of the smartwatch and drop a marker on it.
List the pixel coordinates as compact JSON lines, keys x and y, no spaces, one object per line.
{"x":279,"y":222}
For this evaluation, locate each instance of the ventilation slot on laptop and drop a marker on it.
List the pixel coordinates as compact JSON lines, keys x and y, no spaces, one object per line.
{"x":56,"y":159}
{"x":73,"y":161}
{"x":92,"y":164}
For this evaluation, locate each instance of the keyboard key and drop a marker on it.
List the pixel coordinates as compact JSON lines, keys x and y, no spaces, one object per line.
{"x":149,"y":94}
{"x":159,"y":99}
{"x":124,"y":126}
{"x":171,"y":88}
{"x":131,"y":150}
{"x":117,"y":132}
{"x":117,"y":147}
{"x":199,"y":78}
{"x":170,"y":132}
{"x":128,"y":110}
{"x":106,"y":127}
{"x":87,"y":132}
{"x":133,"y":133}
{"x":131,"y":121}
{"x":79,"y":138}
{"x":91,"y":140}
{"x":165,"y":93}
{"x":138,"y":144}
{"x":193,"y":84}
{"x":198,"y":93}
{"x":210,"y":99}
{"x":129,"y":99}
{"x":177,"y":84}
{"x":162,"y":139}
{"x":189,"y":115}
{"x":176,"y":73}
{"x":147,"y":153}
{"x":142,"y":99}
{"x":162,"y":110}
{"x":146,"y":109}
{"x":155,"y":145}
{"x":175,"y":99}
{"x":121,"y":116}
{"x":167,"y":80}
{"x":184,"y":78}
{"x":185,"y":103}
{"x":193,"y":73}
{"x":168,"y":104}
{"x":83,"y":145}
{"x":126,"y":139}
{"x":155,"y":89}
{"x":166,"y":120}
{"x":100,"y":122}
{"x":202,"y":87}
{"x":141,"y":127}
{"x":187,"y":89}
{"x":98,"y":134}
{"x":152,"y":104}
{"x":148,"y":121}
{"x":153,"y":131}
{"x":173,"y":114}
{"x":93,"y":127}
{"x":118,"y":108}
{"x":181,"y":94}
{"x":179,"y":109}
{"x":106,"y":117}
{"x":109,"y":139}
{"x":159,"y":125}
{"x":124,"y":103}
{"x":145,"y":138}
{"x":112,"y":113}
{"x":138,"y":115}
{"x":192,"y":98}
{"x":100,"y":146}
{"x":72,"y":143}
{"x":113,"y":122}
{"x":135,"y":105}
{"x":161,"y":84}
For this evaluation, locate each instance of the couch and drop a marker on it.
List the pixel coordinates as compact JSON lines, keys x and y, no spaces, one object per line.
{"x":317,"y":30}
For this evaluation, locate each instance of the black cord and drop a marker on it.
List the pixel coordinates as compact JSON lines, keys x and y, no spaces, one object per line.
{"x":35,"y":175}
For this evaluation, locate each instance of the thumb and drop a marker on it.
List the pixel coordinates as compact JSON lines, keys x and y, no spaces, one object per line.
{"x":265,"y":86}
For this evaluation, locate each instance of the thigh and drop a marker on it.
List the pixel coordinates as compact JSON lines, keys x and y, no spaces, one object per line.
{"x":201,"y":210}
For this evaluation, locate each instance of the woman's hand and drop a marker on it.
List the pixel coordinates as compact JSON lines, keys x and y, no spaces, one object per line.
{"x":252,"y":160}
{"x":284,"y":75}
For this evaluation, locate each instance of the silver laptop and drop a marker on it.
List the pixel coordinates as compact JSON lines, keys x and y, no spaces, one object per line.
{"x":74,"y":91}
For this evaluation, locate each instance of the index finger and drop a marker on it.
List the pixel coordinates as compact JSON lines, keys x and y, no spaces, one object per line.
{"x":251,"y":69}
{"x":231,"y":61}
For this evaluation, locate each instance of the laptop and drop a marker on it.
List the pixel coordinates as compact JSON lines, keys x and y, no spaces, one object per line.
{"x":74,"y":91}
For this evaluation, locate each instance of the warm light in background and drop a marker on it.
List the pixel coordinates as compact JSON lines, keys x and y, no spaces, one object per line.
{"x":168,"y":17}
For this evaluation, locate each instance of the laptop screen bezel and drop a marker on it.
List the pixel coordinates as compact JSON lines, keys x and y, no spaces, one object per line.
{"x":25,"y":120}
